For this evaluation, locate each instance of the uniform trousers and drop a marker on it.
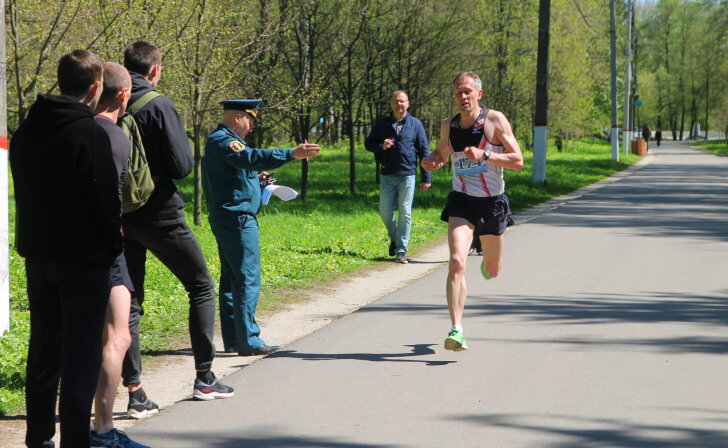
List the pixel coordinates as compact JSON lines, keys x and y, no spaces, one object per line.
{"x":67,"y":311}
{"x":174,"y":244}
{"x":239,"y":248}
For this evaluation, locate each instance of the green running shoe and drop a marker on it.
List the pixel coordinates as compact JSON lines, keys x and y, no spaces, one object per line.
{"x":455,"y":341}
{"x":482,"y":271}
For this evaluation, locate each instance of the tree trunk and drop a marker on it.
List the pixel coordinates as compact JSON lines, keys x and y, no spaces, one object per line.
{"x":707,"y":98}
{"x":350,"y":125}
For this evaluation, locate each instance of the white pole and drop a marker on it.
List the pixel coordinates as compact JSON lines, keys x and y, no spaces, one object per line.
{"x":627,"y":136}
{"x":613,"y":71}
{"x":4,"y":241}
{"x":542,"y":93}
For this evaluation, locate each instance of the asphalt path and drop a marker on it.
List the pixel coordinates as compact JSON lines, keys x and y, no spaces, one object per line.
{"x":608,"y":327}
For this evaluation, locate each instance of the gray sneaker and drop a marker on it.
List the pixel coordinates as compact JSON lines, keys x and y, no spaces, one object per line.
{"x":204,"y":391}
{"x":140,"y":406}
{"x":401,"y":258}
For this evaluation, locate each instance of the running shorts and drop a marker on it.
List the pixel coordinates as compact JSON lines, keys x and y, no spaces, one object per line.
{"x":490,"y":216}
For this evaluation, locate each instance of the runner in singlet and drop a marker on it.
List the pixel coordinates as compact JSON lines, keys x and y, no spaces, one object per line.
{"x":474,"y":178}
{"x":480,"y":143}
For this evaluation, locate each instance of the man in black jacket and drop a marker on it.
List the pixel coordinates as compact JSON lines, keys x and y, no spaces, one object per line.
{"x":60,"y":152}
{"x":160,"y":227}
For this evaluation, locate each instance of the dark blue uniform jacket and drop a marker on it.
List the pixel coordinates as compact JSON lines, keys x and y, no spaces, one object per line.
{"x":230,"y":171}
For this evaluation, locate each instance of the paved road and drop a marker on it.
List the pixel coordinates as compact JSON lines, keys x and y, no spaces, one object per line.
{"x":608,"y":327}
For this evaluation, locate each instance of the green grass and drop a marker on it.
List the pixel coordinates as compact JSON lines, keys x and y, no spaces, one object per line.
{"x":302,"y":243}
{"x":716,"y":147}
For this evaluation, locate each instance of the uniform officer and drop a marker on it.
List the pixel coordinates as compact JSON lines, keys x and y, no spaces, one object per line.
{"x":232,"y":190}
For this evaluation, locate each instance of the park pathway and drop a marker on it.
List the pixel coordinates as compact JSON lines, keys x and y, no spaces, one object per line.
{"x":608,"y":327}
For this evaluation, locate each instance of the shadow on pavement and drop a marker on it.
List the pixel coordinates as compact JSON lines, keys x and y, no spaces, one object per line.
{"x":604,"y":432}
{"x":587,"y":308}
{"x":654,"y":202}
{"x":262,"y":442}
{"x":417,"y":350}
{"x":666,"y":345}
{"x":609,"y":308}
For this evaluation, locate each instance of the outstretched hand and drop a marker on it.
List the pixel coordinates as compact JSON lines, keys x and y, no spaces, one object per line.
{"x":306,"y":150}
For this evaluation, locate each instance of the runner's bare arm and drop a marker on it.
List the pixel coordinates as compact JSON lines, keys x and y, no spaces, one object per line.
{"x":439,"y":156}
{"x":503,"y":133}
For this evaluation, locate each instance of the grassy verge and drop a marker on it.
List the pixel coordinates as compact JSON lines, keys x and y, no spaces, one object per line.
{"x":716,"y":147}
{"x":303,"y":243}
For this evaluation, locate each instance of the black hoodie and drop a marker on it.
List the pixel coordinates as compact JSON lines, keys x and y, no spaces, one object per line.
{"x":66,"y":186}
{"x":168,"y":153}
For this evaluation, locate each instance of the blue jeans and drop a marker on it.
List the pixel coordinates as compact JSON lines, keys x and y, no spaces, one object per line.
{"x":396,"y":193}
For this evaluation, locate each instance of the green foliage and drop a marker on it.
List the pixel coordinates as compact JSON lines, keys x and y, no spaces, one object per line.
{"x":13,"y":355}
{"x":681,"y":65}
{"x":716,"y":147}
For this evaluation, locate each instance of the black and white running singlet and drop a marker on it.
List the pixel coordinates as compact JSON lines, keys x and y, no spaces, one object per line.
{"x":481,"y":178}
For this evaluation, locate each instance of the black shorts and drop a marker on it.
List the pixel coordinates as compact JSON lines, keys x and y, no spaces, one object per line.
{"x":490,"y":216}
{"x":120,"y":274}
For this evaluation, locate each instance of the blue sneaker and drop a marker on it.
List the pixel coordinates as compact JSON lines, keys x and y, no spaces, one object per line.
{"x":112,"y":439}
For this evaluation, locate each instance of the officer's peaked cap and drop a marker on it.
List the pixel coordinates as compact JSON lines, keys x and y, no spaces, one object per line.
{"x":246,"y":105}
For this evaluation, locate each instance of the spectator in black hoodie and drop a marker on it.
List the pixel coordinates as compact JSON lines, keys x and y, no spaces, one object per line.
{"x":160,"y":227}
{"x":68,"y":221}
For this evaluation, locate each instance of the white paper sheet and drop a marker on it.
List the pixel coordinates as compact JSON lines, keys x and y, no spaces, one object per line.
{"x":283,"y":192}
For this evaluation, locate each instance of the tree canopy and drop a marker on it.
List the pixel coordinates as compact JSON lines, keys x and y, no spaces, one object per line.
{"x":326,"y":68}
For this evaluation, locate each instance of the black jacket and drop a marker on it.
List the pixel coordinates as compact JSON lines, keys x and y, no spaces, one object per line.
{"x":168,"y":153}
{"x":66,"y":186}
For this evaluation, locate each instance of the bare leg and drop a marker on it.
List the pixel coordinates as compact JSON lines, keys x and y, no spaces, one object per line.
{"x":116,"y":342}
{"x":492,"y":253}
{"x":459,"y":235}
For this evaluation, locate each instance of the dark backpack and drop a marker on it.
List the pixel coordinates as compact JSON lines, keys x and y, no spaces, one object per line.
{"x":139,"y":184}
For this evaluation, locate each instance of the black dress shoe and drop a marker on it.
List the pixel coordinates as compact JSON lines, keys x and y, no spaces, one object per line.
{"x":262,"y":350}
{"x":231,"y":350}
{"x":391,"y":248}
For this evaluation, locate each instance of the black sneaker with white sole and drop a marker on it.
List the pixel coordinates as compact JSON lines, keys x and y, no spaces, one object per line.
{"x":140,"y":406}
{"x":212,"y":391}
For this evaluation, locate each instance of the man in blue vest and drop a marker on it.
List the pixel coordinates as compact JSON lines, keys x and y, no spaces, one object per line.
{"x":231,"y":183}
